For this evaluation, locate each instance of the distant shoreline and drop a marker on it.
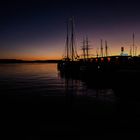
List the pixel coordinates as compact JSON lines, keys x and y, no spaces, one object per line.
{"x":4,"y":61}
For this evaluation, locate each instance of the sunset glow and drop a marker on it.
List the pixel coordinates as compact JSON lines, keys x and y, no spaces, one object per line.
{"x":39,"y":32}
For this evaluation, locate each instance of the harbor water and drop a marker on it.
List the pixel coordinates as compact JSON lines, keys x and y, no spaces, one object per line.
{"x":38,"y":101}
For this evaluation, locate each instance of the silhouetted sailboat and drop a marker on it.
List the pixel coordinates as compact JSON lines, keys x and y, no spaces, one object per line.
{"x":103,"y":63}
{"x":70,"y":60}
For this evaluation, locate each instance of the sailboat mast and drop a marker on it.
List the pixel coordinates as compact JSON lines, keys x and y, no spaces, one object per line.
{"x":97,"y":52}
{"x":130,"y":50}
{"x":106,"y":48}
{"x":133,"y":44}
{"x":135,"y":50}
{"x":72,"y":39}
{"x":87,"y":48}
{"x":83,"y":48}
{"x":101,"y":48}
{"x":67,"y":42}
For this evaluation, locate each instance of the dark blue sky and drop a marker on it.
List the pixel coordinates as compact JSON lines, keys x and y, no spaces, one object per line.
{"x":35,"y":29}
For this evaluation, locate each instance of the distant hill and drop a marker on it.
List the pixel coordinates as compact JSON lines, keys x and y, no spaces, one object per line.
{"x":27,"y":61}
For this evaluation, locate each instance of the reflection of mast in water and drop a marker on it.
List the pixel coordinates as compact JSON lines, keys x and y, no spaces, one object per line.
{"x":73,"y":88}
{"x":69,"y":92}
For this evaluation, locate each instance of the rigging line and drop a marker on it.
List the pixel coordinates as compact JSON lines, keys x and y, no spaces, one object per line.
{"x":110,"y":51}
{"x":74,"y":40}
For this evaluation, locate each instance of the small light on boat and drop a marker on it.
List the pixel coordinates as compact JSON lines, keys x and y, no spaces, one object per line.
{"x":98,"y":67}
{"x":91,"y":60}
{"x":108,"y":59}
{"x":102,"y":59}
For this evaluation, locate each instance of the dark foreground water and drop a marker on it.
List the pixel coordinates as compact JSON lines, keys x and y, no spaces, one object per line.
{"x":37,"y":102}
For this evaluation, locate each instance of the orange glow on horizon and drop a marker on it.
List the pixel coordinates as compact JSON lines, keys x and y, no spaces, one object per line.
{"x":56,"y":51}
{"x":57,"y":56}
{"x":32,"y":57}
{"x":38,"y":58}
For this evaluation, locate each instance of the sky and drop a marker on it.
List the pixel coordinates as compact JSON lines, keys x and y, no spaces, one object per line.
{"x":36,"y":29}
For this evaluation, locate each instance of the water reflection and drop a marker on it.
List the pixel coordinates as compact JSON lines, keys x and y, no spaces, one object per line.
{"x":30,"y":78}
{"x":45,"y":80}
{"x":63,"y":102}
{"x":122,"y":86}
{"x":75,"y":86}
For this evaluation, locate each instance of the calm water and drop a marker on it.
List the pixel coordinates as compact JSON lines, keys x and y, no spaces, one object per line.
{"x":99,"y":113}
{"x":45,"y":80}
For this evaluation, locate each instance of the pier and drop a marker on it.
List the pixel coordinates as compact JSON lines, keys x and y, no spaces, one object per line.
{"x":102,"y":63}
